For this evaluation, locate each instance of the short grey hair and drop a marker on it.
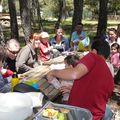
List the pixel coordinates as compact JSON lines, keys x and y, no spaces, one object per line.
{"x":10,"y":42}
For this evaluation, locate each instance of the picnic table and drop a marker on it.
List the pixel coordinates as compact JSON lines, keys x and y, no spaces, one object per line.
{"x":39,"y":74}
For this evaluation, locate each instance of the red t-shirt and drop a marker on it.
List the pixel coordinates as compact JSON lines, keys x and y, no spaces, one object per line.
{"x":44,"y":56}
{"x":93,"y":90}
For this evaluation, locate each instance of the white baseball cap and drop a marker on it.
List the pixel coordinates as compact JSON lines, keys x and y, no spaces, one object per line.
{"x":44,"y":35}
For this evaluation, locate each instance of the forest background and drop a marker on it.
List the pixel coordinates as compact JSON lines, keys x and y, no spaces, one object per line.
{"x":20,"y":18}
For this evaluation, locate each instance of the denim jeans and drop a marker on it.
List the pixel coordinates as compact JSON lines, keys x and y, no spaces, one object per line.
{"x":108,"y":113}
{"x":4,"y":85}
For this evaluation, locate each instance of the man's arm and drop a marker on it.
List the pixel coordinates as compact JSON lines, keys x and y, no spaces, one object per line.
{"x":69,"y":73}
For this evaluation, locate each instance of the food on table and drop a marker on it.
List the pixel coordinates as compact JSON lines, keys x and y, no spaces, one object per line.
{"x":61,"y":116}
{"x":51,"y":113}
{"x":55,"y":113}
{"x":63,"y":110}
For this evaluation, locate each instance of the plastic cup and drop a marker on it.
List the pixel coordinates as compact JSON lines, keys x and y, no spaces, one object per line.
{"x":14,"y":82}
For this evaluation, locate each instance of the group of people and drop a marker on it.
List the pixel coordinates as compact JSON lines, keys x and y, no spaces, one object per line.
{"x":85,"y":82}
{"x":41,"y":49}
{"x":38,"y":50}
{"x":34,"y":53}
{"x":113,"y":38}
{"x":93,"y":82}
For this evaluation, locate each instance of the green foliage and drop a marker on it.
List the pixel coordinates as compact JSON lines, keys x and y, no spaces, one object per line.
{"x":51,"y":8}
{"x":5,"y":6}
{"x":92,"y":5}
{"x":114,"y":6}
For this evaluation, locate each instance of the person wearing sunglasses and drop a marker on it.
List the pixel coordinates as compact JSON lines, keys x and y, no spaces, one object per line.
{"x":12,"y":48}
{"x":27,"y":57}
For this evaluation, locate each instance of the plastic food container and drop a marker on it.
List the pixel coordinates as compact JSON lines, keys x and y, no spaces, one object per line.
{"x":75,"y":113}
{"x":15,"y":106}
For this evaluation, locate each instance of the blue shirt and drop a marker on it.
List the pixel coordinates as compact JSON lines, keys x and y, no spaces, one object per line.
{"x":63,"y":46}
{"x":76,"y":38}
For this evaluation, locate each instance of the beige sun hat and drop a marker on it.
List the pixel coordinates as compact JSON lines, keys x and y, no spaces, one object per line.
{"x":44,"y":35}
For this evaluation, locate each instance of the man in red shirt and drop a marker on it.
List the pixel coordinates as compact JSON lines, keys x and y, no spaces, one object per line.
{"x":93,"y":83}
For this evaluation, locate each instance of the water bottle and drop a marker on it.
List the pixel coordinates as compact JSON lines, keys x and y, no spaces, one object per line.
{"x":15,"y":80}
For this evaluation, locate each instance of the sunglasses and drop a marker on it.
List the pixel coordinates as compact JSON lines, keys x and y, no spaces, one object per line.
{"x":13,"y":52}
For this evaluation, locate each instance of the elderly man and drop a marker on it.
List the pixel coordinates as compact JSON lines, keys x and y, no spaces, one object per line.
{"x":12,"y":48}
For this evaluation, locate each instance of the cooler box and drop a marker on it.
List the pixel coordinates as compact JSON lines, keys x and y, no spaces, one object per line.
{"x":73,"y":113}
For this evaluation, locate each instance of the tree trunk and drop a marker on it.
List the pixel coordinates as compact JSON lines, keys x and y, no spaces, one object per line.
{"x":13,"y":19}
{"x":61,"y":13}
{"x":33,"y":13}
{"x":2,"y":39}
{"x":78,"y":10}
{"x":25,"y":18}
{"x":102,"y":21}
{"x":39,"y":16}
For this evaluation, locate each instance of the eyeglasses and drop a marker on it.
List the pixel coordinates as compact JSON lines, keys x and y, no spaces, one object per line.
{"x":13,"y":52}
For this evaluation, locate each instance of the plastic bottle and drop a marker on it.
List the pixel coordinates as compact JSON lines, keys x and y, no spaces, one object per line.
{"x":15,"y":80}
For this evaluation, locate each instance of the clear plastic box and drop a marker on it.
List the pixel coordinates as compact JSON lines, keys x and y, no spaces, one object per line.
{"x":75,"y":113}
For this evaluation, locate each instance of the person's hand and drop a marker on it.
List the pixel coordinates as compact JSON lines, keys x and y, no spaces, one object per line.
{"x":50,"y":76}
{"x":76,"y":42}
{"x":54,"y":50}
{"x":65,"y":89}
{"x":81,"y":37}
{"x":50,"y":48}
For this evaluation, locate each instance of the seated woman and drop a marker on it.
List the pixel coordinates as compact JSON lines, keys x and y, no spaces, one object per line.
{"x":27,"y":57}
{"x":59,"y":42}
{"x":112,"y":36}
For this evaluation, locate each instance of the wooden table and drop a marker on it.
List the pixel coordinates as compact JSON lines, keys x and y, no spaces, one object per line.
{"x":39,"y":74}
